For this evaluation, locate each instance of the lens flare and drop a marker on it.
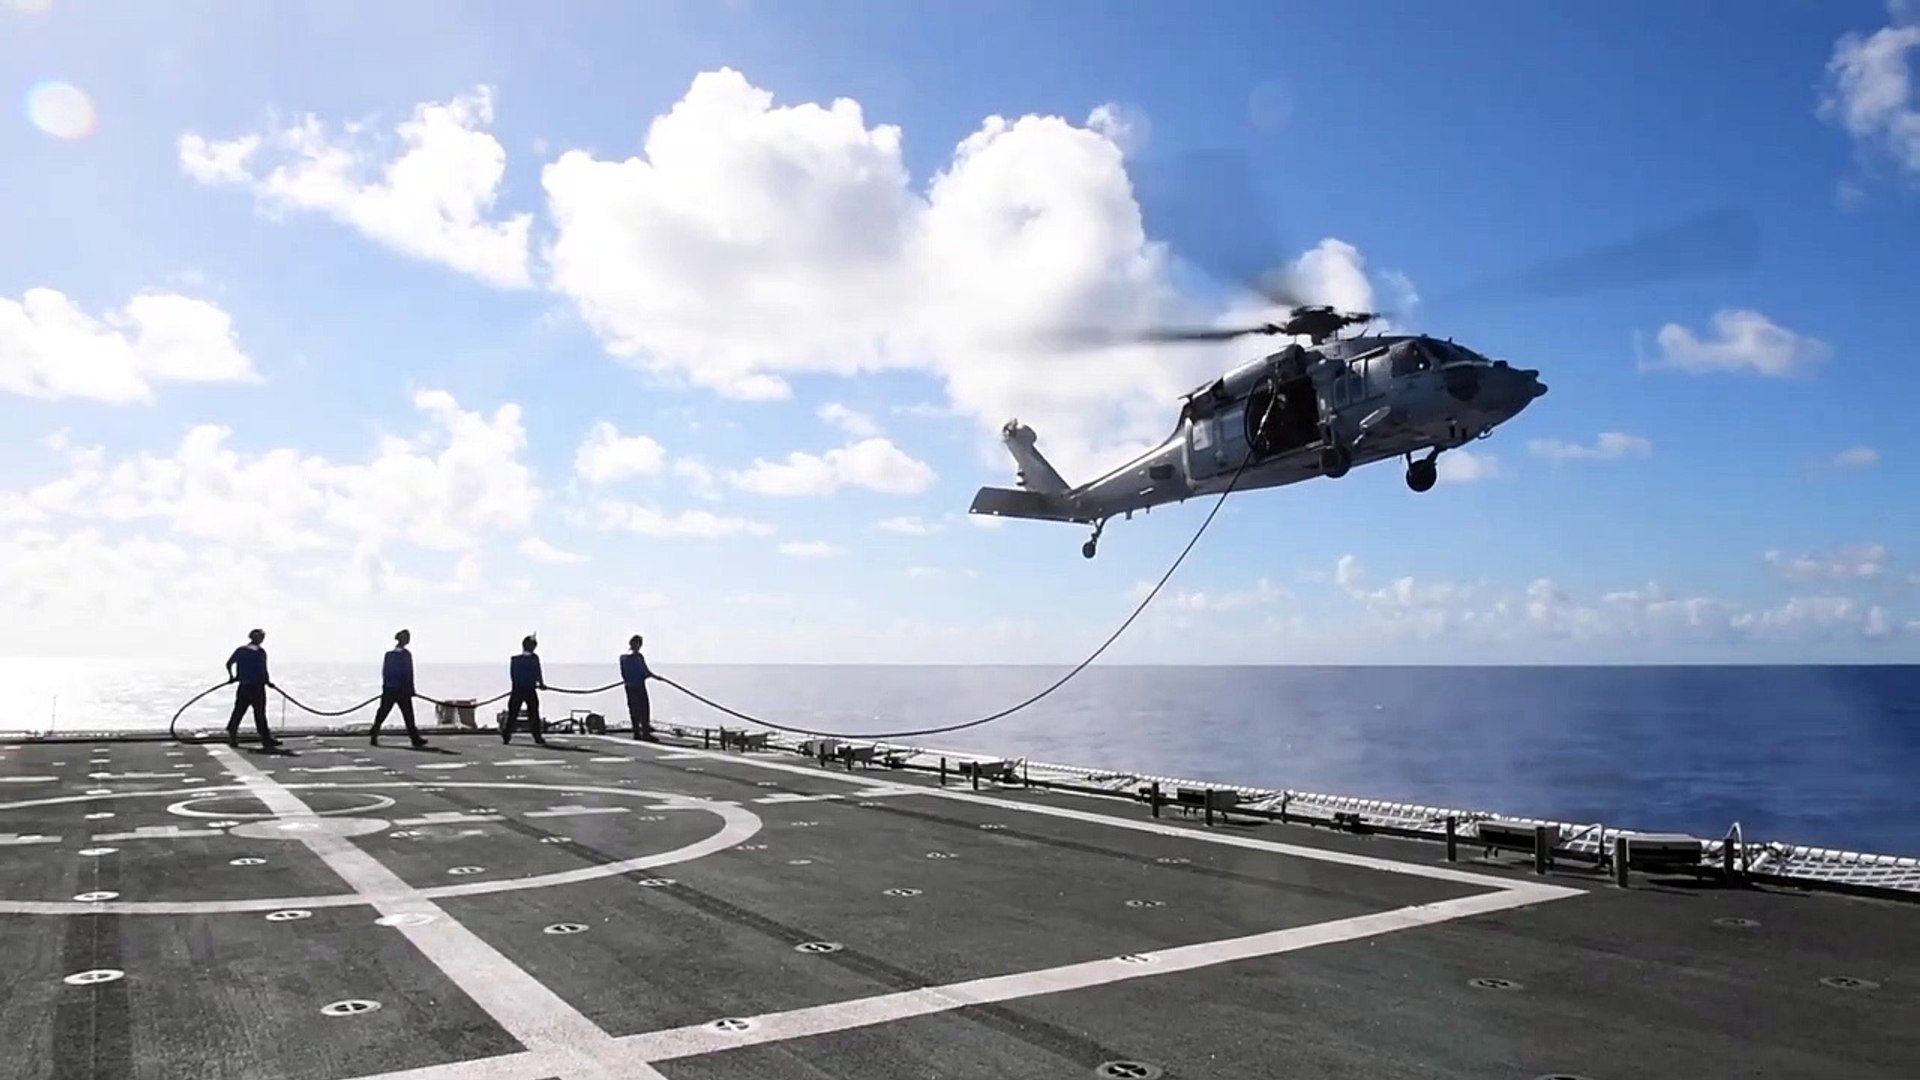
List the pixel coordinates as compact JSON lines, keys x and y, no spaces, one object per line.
{"x":60,"y":109}
{"x":27,"y":7}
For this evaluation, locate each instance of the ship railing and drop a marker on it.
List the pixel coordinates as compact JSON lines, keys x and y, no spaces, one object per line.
{"x":1588,"y":842}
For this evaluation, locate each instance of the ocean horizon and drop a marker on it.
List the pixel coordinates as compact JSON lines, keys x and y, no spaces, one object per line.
{"x":1825,"y":755}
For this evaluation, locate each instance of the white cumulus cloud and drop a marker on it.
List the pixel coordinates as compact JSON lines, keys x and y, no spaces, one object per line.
{"x":873,"y":464}
{"x":650,"y":521}
{"x":433,"y":199}
{"x":541,"y":551}
{"x":605,"y":455}
{"x":441,"y":489}
{"x":1742,"y":342}
{"x":853,"y":422}
{"x":1859,"y":562}
{"x":1610,"y":446}
{"x":808,"y":549}
{"x":51,"y":349}
{"x":1869,"y":89}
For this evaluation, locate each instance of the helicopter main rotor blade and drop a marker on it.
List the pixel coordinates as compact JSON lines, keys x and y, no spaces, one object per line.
{"x":1109,"y":338}
{"x":1708,"y":243}
{"x":1207,"y":206}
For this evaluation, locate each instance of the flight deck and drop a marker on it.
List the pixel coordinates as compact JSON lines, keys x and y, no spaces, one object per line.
{"x":601,"y":907}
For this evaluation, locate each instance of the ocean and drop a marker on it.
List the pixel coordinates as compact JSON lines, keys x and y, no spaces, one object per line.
{"x":1827,"y":756}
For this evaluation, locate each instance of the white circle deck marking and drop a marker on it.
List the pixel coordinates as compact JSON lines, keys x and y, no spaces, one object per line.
{"x":817,"y":947}
{"x":98,"y":975}
{"x":730,"y":1024}
{"x":96,"y":897}
{"x":553,"y":839}
{"x":737,"y":825}
{"x":288,"y":915}
{"x":246,"y":860}
{"x":351,"y":1007}
{"x":96,"y":852}
{"x":463,"y":871}
{"x":565,"y":928}
{"x":655,"y":882}
{"x":100,"y":815}
{"x":799,"y":862}
{"x":903,"y":892}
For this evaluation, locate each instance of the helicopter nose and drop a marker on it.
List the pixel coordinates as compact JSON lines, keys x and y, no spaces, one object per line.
{"x":1534,"y":385}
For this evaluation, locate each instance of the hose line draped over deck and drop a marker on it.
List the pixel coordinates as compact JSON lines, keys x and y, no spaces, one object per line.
{"x":1139,"y":609}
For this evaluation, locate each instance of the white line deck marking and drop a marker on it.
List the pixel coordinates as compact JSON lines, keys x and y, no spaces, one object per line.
{"x":884,"y":1008}
{"x":522,"y":1005}
{"x":795,"y":796}
{"x":28,"y":779}
{"x":575,"y":811}
{"x":447,"y":817}
{"x":158,"y":832}
{"x":531,"y":761}
{"x":8,"y":839}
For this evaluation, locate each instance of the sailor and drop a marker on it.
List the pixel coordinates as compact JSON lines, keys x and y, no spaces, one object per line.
{"x":396,"y":688}
{"x":247,"y":668}
{"x":635,"y":673}
{"x":527,"y":682}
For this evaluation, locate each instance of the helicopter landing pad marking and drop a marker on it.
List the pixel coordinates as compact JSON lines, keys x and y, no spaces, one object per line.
{"x":523,"y":1006}
{"x":313,"y":827}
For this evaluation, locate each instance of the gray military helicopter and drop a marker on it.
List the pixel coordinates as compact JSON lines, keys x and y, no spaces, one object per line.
{"x":1319,"y":409}
{"x":1323,"y":408}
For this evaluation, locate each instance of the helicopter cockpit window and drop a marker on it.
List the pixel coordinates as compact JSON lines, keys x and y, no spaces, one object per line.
{"x":1411,"y":361}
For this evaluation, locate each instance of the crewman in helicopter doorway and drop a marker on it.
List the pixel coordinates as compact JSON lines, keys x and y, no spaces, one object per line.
{"x":528,"y":681}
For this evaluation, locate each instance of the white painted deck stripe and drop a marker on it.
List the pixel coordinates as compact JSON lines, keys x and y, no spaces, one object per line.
{"x":522,"y":1005}
{"x":885,"y":1008}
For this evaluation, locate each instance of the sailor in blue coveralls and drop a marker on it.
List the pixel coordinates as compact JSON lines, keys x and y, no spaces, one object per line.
{"x":396,"y":688}
{"x":635,"y":673}
{"x":527,"y":682}
{"x":247,"y":668}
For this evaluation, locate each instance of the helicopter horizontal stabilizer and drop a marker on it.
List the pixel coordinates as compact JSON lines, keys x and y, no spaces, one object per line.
{"x":1030,"y":505}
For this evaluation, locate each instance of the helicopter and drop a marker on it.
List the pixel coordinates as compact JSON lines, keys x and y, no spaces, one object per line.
{"x":1320,"y":409}
{"x":1324,"y":408}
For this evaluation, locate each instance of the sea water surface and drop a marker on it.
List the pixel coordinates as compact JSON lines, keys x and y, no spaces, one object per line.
{"x":1828,"y":756}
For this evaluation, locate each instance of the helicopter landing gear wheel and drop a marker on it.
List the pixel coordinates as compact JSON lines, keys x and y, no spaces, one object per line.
{"x":1335,"y":461}
{"x":1092,"y":547}
{"x":1422,"y":474}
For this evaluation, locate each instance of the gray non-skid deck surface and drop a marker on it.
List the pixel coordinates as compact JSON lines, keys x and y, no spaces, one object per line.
{"x":591,"y":908}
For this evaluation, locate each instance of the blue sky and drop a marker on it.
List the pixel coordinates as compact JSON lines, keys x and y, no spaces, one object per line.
{"x":408,"y":364}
